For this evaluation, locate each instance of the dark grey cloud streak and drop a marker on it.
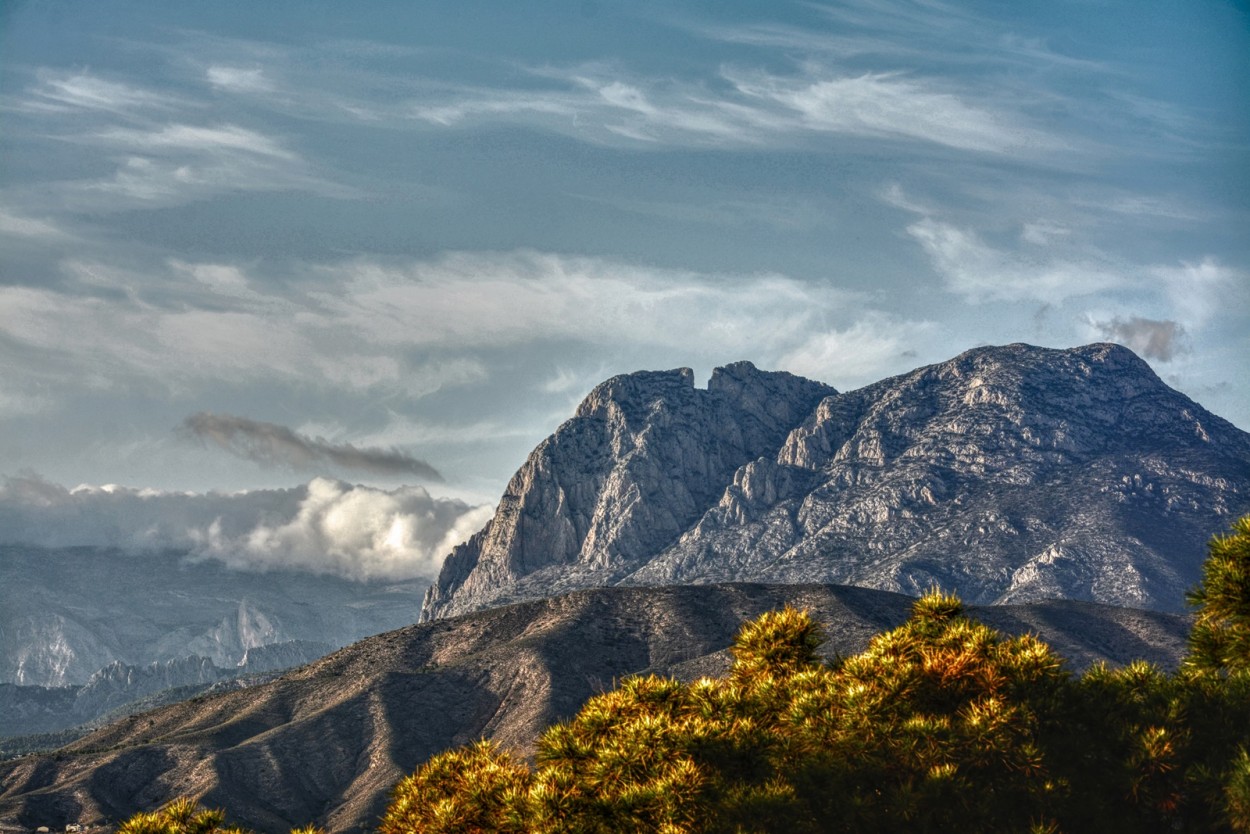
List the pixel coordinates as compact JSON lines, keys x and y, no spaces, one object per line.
{"x":270,"y":444}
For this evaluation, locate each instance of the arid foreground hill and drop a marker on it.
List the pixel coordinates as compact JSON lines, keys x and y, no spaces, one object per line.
{"x":326,"y":742}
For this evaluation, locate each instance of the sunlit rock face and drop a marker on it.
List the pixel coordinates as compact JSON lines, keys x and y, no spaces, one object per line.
{"x":1007,"y":474}
{"x":642,"y":460}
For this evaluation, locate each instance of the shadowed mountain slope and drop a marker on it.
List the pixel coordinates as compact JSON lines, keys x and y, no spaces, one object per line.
{"x":326,"y":742}
{"x":1007,"y":474}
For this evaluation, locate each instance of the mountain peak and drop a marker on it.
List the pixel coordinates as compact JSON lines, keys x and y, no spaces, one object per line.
{"x":640,"y":388}
{"x":644,"y":456}
{"x":1009,"y":472}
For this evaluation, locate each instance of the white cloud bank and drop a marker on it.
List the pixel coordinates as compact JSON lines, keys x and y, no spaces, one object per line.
{"x":325,"y":526}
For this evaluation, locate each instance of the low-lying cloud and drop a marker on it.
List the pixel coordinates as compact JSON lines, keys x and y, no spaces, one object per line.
{"x":1153,"y":339}
{"x":270,"y":444}
{"x":324,"y":527}
{"x":352,"y":531}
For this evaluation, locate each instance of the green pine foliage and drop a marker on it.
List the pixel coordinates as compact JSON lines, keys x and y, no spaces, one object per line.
{"x":1220,"y":640}
{"x":940,"y":725}
{"x":475,"y":788}
{"x":185,"y":816}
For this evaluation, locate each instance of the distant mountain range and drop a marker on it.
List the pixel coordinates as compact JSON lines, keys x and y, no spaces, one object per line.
{"x":41,"y":710}
{"x":66,"y":613}
{"x":84,"y":631}
{"x":1007,"y":474}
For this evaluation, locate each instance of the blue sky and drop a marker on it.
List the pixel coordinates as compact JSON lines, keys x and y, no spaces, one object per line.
{"x":246,"y":244}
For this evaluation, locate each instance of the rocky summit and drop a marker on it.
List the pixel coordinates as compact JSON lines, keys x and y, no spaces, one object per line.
{"x":1007,"y":474}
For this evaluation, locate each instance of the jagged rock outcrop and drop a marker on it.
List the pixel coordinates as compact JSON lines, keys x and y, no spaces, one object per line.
{"x":118,"y":683}
{"x":326,"y":743}
{"x":1011,"y":473}
{"x":645,"y":456}
{"x":286,"y":655}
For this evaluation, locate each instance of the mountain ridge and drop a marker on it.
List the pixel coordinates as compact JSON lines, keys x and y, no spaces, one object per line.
{"x":1009,"y":473}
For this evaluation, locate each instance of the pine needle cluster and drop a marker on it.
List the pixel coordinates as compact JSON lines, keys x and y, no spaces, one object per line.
{"x":185,"y":816}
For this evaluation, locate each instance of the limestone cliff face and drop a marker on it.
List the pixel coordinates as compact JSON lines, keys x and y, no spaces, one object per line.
{"x":1009,"y":473}
{"x":644,"y":457}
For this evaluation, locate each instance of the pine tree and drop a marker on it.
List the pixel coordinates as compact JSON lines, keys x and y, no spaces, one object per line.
{"x":1220,"y":640}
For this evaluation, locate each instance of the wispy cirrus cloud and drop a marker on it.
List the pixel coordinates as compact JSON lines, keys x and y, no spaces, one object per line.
{"x":161,"y":149}
{"x":741,"y":109}
{"x":1199,"y":290}
{"x":608,"y":103}
{"x":64,"y":93}
{"x":177,"y":163}
{"x":902,"y":106}
{"x":859,"y":353}
{"x":270,"y":444}
{"x":196,"y":139}
{"x":405,"y":327}
{"x":1153,"y":308}
{"x":903,"y":32}
{"x":980,"y":272}
{"x":240,"y":79}
{"x":33,"y":228}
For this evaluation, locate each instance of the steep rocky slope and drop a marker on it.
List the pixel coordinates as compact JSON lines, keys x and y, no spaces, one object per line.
{"x":642,"y":459}
{"x":1007,"y":474}
{"x":326,"y":742}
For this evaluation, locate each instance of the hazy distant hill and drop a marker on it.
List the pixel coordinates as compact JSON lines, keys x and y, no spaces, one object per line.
{"x":66,"y":613}
{"x":325,"y":743}
{"x":30,"y":710}
{"x":1008,"y":474}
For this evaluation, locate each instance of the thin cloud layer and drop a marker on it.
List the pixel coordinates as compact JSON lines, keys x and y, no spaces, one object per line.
{"x":748,"y":110}
{"x":410,"y":327}
{"x":325,"y":526}
{"x":980,"y":272}
{"x":270,"y":444}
